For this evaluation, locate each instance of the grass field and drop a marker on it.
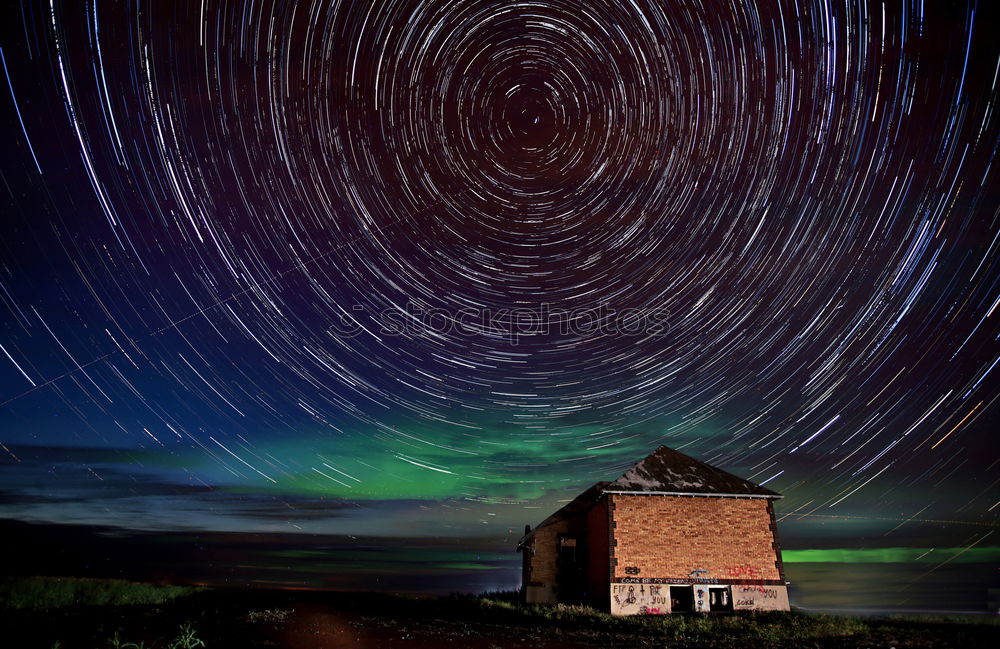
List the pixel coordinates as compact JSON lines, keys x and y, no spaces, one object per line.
{"x":35,"y":593}
{"x":52,"y":613}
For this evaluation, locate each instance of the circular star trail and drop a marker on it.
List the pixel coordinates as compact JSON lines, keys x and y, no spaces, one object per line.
{"x":484,"y":249}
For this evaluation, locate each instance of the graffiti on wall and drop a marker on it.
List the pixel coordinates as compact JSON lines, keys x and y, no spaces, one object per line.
{"x":701,"y":599}
{"x":654,"y":599}
{"x":744,"y":571}
{"x":755,"y":592}
{"x":639,"y":599}
{"x":676,"y":582}
{"x":760,"y":598}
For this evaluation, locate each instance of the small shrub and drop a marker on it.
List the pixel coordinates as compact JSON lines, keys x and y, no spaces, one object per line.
{"x":116,"y":642}
{"x":186,"y":639}
{"x":509,"y":596}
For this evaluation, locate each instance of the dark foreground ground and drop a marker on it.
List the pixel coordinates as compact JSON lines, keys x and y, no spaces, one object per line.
{"x":97,"y":614}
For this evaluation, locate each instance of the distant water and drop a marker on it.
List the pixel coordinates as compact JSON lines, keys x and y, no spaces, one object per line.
{"x":893,"y":587}
{"x":439,"y":566}
{"x":859,"y":588}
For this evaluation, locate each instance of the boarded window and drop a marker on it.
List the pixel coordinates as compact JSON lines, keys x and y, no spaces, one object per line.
{"x":720,"y":598}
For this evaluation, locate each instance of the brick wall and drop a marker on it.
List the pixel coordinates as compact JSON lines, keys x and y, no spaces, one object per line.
{"x":540,"y":577}
{"x":668,"y":537}
{"x":544,"y":551}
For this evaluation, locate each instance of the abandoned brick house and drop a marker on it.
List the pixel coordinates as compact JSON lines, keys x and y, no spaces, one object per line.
{"x":673,"y":534}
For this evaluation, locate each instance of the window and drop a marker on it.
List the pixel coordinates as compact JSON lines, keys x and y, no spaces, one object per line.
{"x":720,"y":598}
{"x":681,"y":599}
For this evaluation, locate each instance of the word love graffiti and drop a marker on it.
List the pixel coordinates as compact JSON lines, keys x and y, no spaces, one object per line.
{"x":744,"y":571}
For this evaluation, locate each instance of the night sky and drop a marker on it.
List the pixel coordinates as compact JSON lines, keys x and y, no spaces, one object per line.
{"x":422,"y":270}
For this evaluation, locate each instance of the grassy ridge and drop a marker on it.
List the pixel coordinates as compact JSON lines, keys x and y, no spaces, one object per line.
{"x":763,"y":626}
{"x":47,"y":612}
{"x":742,"y":629}
{"x":40,"y":593}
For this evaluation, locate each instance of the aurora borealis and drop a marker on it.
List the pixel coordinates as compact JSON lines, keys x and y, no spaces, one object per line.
{"x":422,"y":270}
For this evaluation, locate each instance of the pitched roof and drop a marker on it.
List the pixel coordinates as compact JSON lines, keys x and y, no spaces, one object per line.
{"x":664,"y":471}
{"x":670,"y":472}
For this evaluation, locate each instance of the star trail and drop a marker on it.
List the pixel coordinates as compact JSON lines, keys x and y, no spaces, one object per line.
{"x":442,"y":264}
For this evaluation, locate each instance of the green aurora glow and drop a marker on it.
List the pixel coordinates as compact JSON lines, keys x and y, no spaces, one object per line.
{"x":893,"y":555}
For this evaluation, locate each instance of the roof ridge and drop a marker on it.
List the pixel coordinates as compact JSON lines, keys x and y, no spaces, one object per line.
{"x":666,"y":470}
{"x":662,"y":472}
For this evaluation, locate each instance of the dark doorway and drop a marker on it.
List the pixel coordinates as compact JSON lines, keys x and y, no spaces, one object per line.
{"x":681,"y":599}
{"x":720,"y":598}
{"x":570,"y":570}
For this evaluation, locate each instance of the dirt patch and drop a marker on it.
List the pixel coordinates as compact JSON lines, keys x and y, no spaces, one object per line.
{"x":320,"y":627}
{"x":328,"y":627}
